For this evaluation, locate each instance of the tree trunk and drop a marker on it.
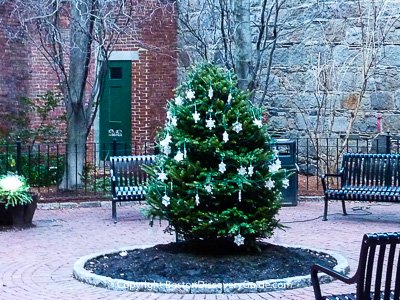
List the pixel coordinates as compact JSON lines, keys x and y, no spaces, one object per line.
{"x":75,"y":151}
{"x":77,"y":120}
{"x":243,"y":45}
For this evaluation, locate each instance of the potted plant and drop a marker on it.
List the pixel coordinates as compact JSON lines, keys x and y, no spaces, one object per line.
{"x":17,"y":204}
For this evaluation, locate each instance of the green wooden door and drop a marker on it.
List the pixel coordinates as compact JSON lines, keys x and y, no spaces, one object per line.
{"x":116,"y":109}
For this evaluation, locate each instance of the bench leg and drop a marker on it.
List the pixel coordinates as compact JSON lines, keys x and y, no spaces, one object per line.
{"x":325,"y":217}
{"x":344,"y":208}
{"x":114,"y":210}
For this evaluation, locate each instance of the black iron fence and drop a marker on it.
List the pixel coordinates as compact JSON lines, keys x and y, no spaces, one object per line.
{"x":317,"y":156}
{"x":44,"y":165}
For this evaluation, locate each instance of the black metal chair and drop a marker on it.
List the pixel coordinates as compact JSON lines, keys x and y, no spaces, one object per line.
{"x":378,"y":272}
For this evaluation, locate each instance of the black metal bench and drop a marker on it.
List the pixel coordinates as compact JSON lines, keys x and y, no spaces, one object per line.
{"x":128,"y":180}
{"x":364,"y":177}
{"x":378,"y":272}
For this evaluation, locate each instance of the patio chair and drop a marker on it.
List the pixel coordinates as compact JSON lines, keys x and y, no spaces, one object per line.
{"x":378,"y":272}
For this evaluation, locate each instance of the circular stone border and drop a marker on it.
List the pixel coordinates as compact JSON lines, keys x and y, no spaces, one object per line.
{"x":81,"y":274}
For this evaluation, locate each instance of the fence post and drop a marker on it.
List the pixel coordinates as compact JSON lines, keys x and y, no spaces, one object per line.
{"x":114,"y":147}
{"x":388,"y":143}
{"x":18,"y":158}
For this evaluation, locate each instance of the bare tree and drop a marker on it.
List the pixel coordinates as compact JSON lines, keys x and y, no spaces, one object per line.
{"x":76,"y":38}
{"x":234,"y":34}
{"x":343,"y":78}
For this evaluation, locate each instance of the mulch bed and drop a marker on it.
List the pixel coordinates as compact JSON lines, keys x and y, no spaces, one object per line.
{"x":221,"y":262}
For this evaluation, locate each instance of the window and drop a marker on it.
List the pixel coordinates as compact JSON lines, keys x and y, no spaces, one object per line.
{"x":115,"y":73}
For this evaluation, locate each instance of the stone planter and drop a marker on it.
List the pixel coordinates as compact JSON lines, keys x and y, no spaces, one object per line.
{"x":19,"y":216}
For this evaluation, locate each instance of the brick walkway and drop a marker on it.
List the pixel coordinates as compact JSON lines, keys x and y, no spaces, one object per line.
{"x":37,"y":263}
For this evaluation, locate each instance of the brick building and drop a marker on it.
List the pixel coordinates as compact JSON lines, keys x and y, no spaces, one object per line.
{"x":142,"y":71}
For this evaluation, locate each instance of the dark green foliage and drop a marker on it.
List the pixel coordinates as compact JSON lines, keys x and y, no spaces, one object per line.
{"x":40,"y":169}
{"x":238,"y":205}
{"x":93,"y":180}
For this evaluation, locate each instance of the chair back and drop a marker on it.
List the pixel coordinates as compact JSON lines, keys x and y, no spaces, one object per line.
{"x":379,"y":268}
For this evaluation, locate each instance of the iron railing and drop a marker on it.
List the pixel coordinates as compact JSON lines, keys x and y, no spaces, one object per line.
{"x":323,"y":155}
{"x":44,"y":164}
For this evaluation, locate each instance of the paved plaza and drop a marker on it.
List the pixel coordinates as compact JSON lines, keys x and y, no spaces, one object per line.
{"x":37,"y":263}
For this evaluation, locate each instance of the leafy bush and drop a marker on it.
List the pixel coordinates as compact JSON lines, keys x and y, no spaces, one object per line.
{"x":39,"y":170}
{"x":43,"y":170}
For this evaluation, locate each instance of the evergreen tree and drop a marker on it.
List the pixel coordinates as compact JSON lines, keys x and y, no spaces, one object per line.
{"x":217,"y":175}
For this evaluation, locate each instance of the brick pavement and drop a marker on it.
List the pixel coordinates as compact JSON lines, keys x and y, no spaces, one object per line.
{"x":37,"y":263}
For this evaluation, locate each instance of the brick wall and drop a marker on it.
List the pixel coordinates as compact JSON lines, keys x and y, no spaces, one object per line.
{"x":153,"y":75}
{"x":14,"y":60}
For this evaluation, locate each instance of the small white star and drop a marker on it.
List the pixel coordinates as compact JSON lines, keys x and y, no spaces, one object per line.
{"x":222,"y":167}
{"x":250,"y":170}
{"x":237,"y":126}
{"x":174,"y":121}
{"x":242,"y":171}
{"x":285,"y":183}
{"x":275,"y":167}
{"x":225,"y":137}
{"x":179,"y":156}
{"x":210,"y":123}
{"x":270,"y":184}
{"x":178,"y":100}
{"x":190,"y":94}
{"x":257,"y":122}
{"x":196,"y":116}
{"x":210,"y":92}
{"x":162,"y":176}
{"x":239,"y":240}
{"x":166,"y":200}
{"x":165,"y":142}
{"x":197,"y":198}
{"x":208,"y":188}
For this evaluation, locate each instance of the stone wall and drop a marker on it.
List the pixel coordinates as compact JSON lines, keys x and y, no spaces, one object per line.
{"x":323,"y":49}
{"x":318,"y":69}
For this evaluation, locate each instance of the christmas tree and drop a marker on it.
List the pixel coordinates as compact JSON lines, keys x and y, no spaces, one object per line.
{"x":217,"y":175}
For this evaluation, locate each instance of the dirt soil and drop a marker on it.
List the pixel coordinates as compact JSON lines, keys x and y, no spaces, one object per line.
{"x":194,"y":262}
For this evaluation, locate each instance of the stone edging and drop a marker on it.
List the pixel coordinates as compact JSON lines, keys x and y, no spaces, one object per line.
{"x":81,"y":204}
{"x":270,"y":285}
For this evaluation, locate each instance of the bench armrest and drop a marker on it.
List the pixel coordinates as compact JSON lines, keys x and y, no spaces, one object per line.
{"x":315,"y":281}
{"x":325,"y":182}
